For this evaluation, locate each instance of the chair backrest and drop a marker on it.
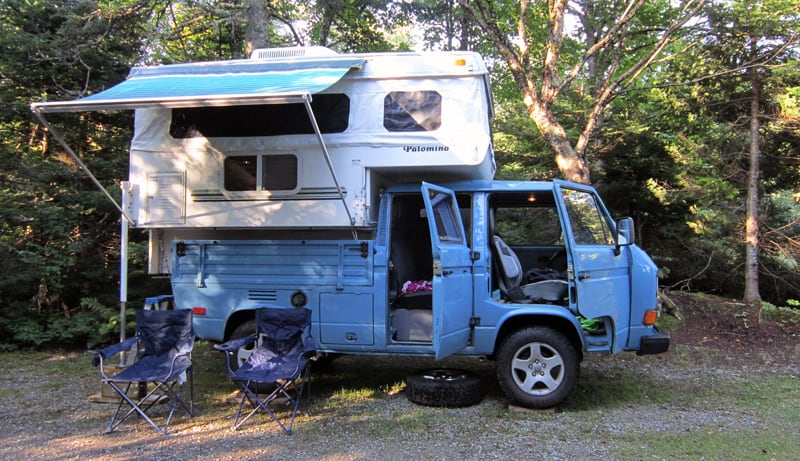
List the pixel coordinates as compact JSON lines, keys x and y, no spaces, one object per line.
{"x":164,"y":332}
{"x":282,"y":328}
{"x":510,"y":267}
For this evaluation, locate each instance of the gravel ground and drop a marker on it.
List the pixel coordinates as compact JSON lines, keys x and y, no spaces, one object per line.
{"x":360,"y":413}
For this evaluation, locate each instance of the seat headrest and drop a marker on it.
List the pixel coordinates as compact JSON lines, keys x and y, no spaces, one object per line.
{"x":509,"y":263}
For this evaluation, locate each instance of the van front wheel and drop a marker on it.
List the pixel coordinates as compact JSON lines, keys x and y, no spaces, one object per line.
{"x":537,"y":367}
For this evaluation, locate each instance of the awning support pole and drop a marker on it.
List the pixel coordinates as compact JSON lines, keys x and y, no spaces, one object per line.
{"x":307,"y":101}
{"x":77,"y":159}
{"x":123,"y":269}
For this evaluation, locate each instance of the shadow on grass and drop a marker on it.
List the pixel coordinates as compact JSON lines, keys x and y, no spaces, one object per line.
{"x":619,"y":381}
{"x":605,"y":382}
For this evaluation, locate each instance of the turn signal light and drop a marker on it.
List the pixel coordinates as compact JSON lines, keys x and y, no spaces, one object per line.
{"x":460,"y":62}
{"x":199,"y":310}
{"x":650,"y":317}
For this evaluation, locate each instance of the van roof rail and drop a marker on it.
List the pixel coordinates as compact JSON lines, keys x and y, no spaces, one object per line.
{"x":292,"y":52}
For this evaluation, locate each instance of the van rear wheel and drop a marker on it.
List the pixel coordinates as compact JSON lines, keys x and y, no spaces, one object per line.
{"x":243,"y":353}
{"x":538,"y":367}
{"x":245,"y":329}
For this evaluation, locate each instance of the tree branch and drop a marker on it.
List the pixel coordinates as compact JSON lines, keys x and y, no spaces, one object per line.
{"x":622,"y":24}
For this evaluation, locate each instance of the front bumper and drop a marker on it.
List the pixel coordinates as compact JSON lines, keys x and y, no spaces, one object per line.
{"x":654,"y":344}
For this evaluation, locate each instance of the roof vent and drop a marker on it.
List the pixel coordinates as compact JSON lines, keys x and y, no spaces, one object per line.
{"x":292,"y":52}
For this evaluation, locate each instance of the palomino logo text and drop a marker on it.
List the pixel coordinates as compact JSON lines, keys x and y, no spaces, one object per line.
{"x":426,"y":148}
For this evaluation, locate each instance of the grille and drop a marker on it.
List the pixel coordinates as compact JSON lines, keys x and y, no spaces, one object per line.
{"x":262,"y":295}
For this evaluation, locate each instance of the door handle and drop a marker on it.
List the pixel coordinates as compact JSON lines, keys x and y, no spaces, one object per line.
{"x":582,"y":277}
{"x":447,"y":272}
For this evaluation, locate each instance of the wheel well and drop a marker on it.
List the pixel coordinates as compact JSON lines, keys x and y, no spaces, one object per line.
{"x":557,"y":323}
{"x":236,"y":319}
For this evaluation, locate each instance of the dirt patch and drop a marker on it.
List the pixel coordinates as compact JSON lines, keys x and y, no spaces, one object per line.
{"x":732,"y":332}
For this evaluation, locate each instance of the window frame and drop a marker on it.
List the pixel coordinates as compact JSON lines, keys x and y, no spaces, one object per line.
{"x":393,"y":111}
{"x":260,"y":190}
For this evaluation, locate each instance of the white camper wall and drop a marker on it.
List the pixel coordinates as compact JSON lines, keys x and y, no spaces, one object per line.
{"x":181,"y":183}
{"x":160,"y":162}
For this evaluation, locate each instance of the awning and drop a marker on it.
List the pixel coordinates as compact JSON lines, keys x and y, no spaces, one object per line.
{"x":220,"y":83}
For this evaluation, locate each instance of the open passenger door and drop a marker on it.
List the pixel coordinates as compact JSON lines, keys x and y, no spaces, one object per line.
{"x":599,"y":272}
{"x":452,"y":271}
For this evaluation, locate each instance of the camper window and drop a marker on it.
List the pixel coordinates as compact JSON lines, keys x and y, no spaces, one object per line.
{"x":332,"y":112}
{"x":412,"y":111}
{"x":240,"y":173}
{"x":277,"y":173}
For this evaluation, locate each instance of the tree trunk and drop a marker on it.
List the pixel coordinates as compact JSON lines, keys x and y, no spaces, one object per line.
{"x":569,"y":162}
{"x":257,"y":31}
{"x":751,"y":291}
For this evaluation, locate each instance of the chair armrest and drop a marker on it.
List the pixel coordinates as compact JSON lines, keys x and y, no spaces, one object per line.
{"x":231,"y":347}
{"x":235,"y":344}
{"x":112,"y":350}
{"x":186,"y":349}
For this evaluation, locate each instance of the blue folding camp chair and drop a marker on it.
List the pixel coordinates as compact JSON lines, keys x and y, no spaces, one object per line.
{"x":163,"y":347}
{"x":280,"y":362}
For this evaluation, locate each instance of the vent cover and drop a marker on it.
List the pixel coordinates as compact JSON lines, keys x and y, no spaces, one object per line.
{"x":292,"y":52}
{"x":262,"y":295}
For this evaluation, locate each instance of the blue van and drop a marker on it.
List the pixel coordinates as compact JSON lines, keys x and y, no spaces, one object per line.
{"x":529,"y":274}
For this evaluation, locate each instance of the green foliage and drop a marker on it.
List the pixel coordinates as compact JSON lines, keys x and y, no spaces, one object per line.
{"x":93,"y":325}
{"x":676,"y":156}
{"x":357,"y":25}
{"x":57,"y":232}
{"x":788,"y":315}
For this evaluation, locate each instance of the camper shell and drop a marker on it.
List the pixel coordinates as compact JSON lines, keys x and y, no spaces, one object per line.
{"x":300,"y":138}
{"x":361,"y":186}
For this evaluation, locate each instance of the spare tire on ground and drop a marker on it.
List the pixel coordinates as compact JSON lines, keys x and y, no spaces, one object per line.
{"x":444,"y":387}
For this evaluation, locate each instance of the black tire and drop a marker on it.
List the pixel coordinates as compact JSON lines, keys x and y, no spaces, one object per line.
{"x":324,"y":362}
{"x":538,"y":367}
{"x":444,"y":387}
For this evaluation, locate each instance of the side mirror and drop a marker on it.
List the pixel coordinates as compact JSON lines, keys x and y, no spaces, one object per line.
{"x":624,"y":234}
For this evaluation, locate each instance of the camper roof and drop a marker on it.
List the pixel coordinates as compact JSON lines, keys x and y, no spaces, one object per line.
{"x":270,"y":76}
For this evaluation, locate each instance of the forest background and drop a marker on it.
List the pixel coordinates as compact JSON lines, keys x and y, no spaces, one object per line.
{"x":684,"y":113}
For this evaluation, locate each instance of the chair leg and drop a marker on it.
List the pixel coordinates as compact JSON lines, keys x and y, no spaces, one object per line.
{"x":258,"y":404}
{"x":191,"y":391}
{"x":262,"y":404}
{"x":305,"y":384}
{"x":141,"y":406}
{"x":135,"y":407}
